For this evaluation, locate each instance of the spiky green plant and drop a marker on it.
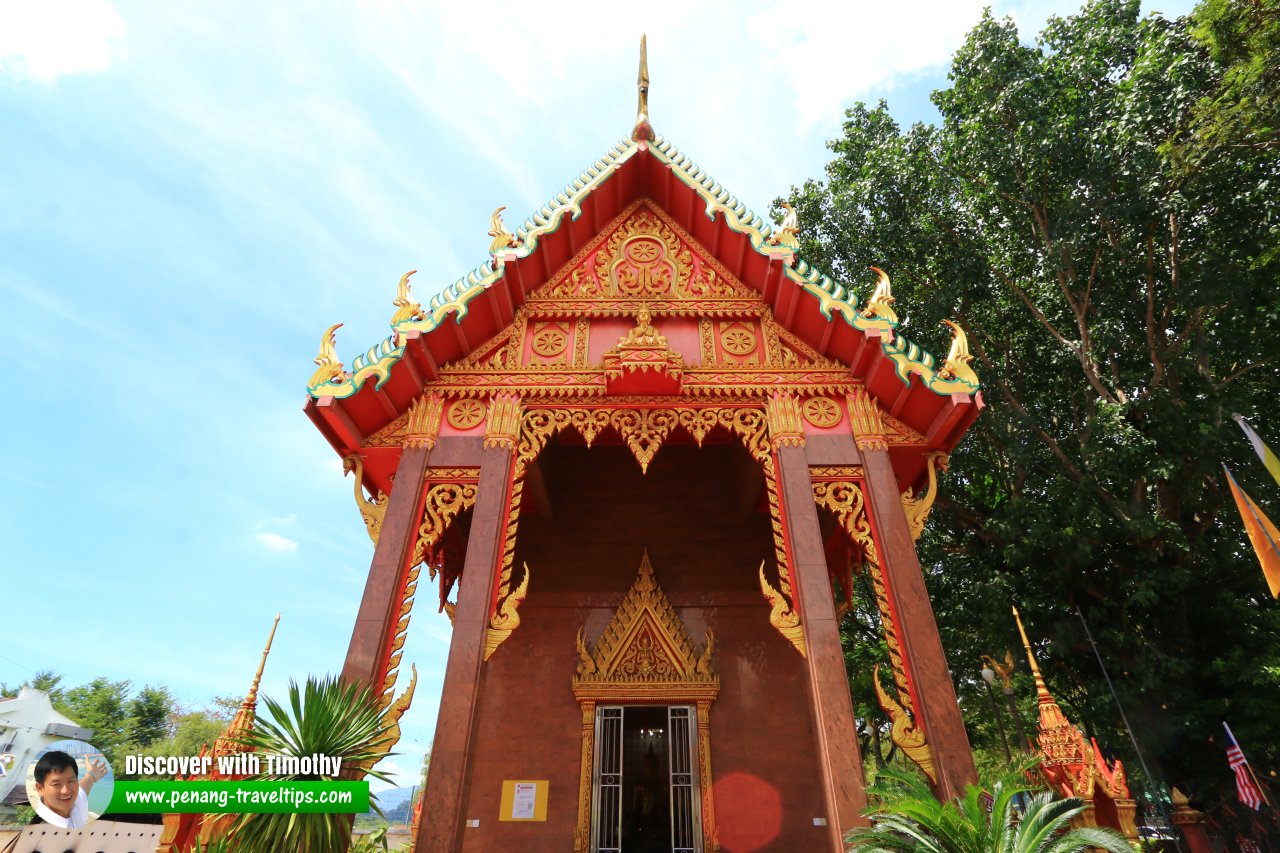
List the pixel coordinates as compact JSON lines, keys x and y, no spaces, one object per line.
{"x":329,"y":716}
{"x":905,"y":816}
{"x":371,"y":842}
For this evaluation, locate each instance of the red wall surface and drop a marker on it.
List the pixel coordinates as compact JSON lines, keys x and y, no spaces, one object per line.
{"x":706,"y":541}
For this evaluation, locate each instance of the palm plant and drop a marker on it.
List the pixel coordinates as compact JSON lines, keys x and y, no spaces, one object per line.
{"x":906,"y":817}
{"x":328,"y":716}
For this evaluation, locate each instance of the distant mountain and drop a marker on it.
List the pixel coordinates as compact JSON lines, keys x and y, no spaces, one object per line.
{"x":395,"y":802}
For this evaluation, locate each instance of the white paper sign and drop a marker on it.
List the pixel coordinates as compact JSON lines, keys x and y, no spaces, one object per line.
{"x":522,"y":804}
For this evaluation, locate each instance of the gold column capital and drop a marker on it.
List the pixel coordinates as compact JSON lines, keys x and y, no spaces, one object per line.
{"x":786,"y":427}
{"x":503,"y":427}
{"x":423,"y":427}
{"x":864,"y":418}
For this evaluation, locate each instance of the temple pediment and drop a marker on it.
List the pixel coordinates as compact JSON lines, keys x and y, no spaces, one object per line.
{"x":645,"y":651}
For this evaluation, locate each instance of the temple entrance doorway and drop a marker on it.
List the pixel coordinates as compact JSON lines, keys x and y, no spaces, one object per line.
{"x":645,"y":778}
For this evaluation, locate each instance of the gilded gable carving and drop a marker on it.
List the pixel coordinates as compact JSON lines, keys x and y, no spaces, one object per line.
{"x":645,"y":651}
{"x":645,"y":256}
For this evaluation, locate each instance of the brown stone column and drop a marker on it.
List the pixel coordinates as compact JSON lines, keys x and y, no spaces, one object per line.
{"x":442,"y":824}
{"x":937,"y":710}
{"x":379,"y":608}
{"x":841,"y":764}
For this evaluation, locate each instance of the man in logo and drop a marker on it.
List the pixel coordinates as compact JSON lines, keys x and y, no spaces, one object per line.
{"x":64,"y":798}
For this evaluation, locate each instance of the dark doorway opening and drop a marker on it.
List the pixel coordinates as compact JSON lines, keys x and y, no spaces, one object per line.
{"x":646,"y":781}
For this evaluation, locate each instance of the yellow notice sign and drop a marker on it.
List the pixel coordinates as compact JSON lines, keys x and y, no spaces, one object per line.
{"x":524,"y":800}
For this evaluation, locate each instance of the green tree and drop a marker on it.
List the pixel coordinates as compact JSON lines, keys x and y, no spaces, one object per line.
{"x":46,"y":680}
{"x":329,"y":716}
{"x":1239,"y":117}
{"x":1120,"y":305}
{"x":150,"y":714}
{"x":905,"y":817}
{"x":101,"y":705}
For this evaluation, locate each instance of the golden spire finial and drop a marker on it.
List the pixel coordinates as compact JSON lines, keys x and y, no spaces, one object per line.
{"x":252,"y":698}
{"x":643,"y":131}
{"x":232,"y":738}
{"x":1041,"y":689}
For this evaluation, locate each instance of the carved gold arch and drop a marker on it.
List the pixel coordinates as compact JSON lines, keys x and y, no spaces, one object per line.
{"x":645,"y":655}
{"x":761,"y":426}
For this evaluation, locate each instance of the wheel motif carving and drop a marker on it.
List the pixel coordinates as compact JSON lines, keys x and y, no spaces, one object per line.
{"x":549,"y":341}
{"x":821,"y":412}
{"x":465,"y":414}
{"x":738,"y":341}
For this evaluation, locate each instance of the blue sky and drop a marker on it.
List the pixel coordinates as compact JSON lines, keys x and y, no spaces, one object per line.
{"x":191,"y":193}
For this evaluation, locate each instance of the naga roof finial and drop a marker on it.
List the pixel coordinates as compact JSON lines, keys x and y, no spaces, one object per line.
{"x":643,"y":131}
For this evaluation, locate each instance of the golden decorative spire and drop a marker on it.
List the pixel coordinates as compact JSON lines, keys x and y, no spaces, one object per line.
{"x":252,"y":697}
{"x":643,"y":131}
{"x":1042,"y":689}
{"x":242,"y":722}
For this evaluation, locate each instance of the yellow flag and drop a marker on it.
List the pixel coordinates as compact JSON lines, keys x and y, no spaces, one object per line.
{"x":1262,"y":533}
{"x":1259,"y":446}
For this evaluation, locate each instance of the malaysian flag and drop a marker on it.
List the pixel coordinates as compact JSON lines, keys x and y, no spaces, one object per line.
{"x":1246,"y":788}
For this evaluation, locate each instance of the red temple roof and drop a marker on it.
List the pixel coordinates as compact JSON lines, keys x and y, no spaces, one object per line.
{"x":903,"y":378}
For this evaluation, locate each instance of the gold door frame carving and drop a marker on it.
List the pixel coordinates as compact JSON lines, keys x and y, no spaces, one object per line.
{"x":645,"y":656}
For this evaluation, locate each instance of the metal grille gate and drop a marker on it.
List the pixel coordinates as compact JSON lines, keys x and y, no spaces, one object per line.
{"x":607,"y":780}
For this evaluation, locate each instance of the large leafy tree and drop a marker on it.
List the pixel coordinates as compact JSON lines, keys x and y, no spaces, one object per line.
{"x":1120,"y":298}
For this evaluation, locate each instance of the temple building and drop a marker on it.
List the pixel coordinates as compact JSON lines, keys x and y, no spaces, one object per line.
{"x":637,"y":456}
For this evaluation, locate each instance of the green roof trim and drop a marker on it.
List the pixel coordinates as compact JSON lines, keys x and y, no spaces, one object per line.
{"x":908,"y":358}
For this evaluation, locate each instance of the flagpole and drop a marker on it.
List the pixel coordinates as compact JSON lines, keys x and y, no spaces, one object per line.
{"x":1128,"y":728}
{"x":1256,"y":782}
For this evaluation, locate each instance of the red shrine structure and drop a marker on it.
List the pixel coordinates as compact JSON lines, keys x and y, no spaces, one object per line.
{"x":1072,"y":766}
{"x":639,"y":453}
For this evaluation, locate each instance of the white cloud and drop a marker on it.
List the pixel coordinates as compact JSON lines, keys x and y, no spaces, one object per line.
{"x":832,"y":54}
{"x":276,"y":542}
{"x":399,"y":776}
{"x":47,"y":39}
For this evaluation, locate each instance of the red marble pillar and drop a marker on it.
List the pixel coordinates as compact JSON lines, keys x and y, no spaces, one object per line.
{"x":936,"y":707}
{"x":832,"y":706}
{"x":379,"y":608}
{"x":442,"y":824}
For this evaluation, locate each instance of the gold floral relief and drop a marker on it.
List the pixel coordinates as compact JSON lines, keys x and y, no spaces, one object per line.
{"x":821,"y":412}
{"x":549,"y":339}
{"x":466,"y":413}
{"x":642,"y":253}
{"x":738,"y":339}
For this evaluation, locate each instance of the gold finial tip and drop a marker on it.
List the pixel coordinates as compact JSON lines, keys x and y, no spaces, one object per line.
{"x":643,"y":130}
